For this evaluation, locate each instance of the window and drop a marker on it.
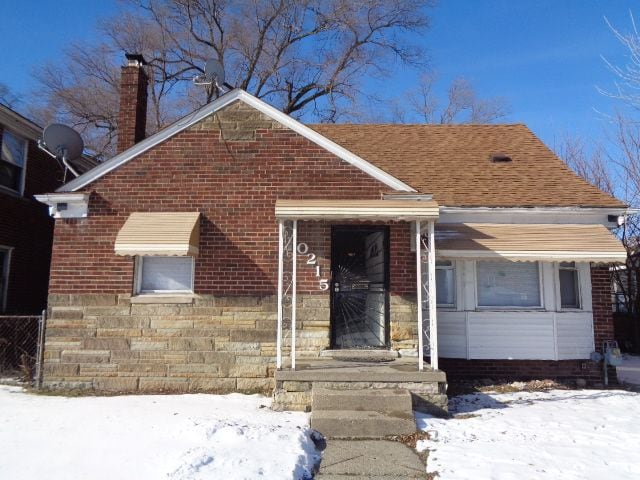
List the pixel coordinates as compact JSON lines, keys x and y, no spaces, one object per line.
{"x":4,"y":276}
{"x":569,"y":289}
{"x":508,"y":284}
{"x":12,"y":161}
{"x":165,"y":275}
{"x":445,"y":283}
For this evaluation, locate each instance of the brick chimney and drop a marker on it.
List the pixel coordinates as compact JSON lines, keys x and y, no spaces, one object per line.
{"x":132,"y":117}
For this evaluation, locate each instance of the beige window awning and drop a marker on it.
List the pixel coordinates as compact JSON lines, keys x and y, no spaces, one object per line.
{"x":522,"y":242}
{"x":406,"y":210}
{"x":166,"y":233}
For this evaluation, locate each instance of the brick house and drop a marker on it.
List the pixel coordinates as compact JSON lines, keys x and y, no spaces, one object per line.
{"x":26,"y":229}
{"x":238,"y":249}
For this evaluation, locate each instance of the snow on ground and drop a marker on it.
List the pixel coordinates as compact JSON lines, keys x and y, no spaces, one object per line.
{"x":629,"y":371}
{"x":175,"y":437}
{"x":574,"y":434}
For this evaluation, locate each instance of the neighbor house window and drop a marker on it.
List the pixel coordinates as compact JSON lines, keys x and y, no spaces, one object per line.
{"x":4,"y":276}
{"x":165,"y":275}
{"x":12,"y":161}
{"x":508,"y":284}
{"x":445,"y":283}
{"x":569,"y":289}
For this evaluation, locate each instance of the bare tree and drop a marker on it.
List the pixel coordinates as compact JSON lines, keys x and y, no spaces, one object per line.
{"x":627,"y":85}
{"x":306,"y":57}
{"x":462,"y":104}
{"x":7,"y":97}
{"x":592,"y":164}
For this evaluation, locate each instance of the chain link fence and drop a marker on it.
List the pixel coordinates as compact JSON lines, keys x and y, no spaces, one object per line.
{"x":20,"y":348}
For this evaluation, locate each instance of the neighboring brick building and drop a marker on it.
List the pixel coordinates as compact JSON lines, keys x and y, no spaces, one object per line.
{"x":26,"y":229}
{"x":203,"y":241}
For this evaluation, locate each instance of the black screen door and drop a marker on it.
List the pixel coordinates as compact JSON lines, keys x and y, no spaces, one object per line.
{"x":359,"y":285}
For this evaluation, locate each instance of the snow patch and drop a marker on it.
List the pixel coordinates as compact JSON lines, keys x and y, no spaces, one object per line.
{"x":568,"y":434}
{"x":175,"y":437}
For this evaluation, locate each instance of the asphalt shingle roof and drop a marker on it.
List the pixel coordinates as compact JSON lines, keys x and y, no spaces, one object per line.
{"x":453,"y":162}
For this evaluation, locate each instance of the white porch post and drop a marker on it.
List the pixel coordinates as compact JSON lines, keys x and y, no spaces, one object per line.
{"x":433,"y":321}
{"x":293,"y":294}
{"x":280,"y":274}
{"x":419,"y":299}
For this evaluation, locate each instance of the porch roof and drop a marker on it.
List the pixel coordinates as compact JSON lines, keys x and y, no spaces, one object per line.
{"x":406,"y":210}
{"x":155,"y":233}
{"x":529,"y":242}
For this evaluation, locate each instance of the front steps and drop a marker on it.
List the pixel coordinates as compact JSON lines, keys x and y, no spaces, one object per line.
{"x":362,"y":413}
{"x":294,"y":387}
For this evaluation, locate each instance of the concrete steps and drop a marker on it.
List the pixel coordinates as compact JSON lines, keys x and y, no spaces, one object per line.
{"x":363,"y":413}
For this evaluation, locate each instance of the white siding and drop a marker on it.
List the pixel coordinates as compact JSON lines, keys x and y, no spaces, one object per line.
{"x":545,"y":334}
{"x":452,"y":334}
{"x":511,"y":335}
{"x":575,"y":335}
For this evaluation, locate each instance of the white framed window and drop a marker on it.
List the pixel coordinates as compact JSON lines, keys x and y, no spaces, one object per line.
{"x":5,"y":261}
{"x":13,"y":157}
{"x":506,"y":284}
{"x":158,"y":274}
{"x":445,"y":283}
{"x":568,"y":280}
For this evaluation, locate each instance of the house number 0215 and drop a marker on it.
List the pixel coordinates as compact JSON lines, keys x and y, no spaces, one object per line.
{"x":303,"y":249}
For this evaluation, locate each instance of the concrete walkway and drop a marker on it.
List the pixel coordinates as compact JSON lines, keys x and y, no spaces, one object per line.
{"x":369,"y":459}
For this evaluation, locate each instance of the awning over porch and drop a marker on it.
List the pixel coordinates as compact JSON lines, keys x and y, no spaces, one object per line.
{"x":406,"y":210}
{"x":165,"y":233}
{"x":529,"y":242}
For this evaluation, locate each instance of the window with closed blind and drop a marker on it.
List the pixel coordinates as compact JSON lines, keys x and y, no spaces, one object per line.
{"x":159,"y":274}
{"x":508,"y":284}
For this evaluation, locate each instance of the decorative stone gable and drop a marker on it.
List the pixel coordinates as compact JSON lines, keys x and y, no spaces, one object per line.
{"x":237,"y":122}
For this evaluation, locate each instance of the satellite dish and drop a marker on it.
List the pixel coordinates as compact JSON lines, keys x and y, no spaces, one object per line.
{"x":63,"y":143}
{"x":214,"y":72}
{"x":213,"y":77}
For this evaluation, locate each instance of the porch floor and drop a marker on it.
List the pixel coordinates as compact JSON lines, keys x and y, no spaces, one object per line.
{"x":332,"y":370}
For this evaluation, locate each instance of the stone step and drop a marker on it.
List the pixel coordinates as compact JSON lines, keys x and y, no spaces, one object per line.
{"x":378,"y":400}
{"x":361,"y":424}
{"x":360,"y":355}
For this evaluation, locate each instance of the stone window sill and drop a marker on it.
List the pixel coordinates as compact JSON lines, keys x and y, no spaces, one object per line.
{"x":160,"y":298}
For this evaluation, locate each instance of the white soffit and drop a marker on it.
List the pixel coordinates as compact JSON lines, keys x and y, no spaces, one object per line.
{"x":216,"y":105}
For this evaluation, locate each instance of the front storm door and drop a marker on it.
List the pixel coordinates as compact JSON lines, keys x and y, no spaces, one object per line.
{"x":359,"y":286}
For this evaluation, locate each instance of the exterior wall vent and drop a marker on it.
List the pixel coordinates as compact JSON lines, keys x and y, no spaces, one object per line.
{"x":501,"y":158}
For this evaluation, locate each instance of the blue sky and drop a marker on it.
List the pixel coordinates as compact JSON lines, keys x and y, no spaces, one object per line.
{"x":543,"y":56}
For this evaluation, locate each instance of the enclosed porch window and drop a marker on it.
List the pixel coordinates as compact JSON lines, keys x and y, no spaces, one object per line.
{"x":506,"y":284}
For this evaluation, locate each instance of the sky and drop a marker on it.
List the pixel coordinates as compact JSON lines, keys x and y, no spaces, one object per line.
{"x":542,"y":56}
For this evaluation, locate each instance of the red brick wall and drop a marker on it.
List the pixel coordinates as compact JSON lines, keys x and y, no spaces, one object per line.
{"x":601,"y":300}
{"x":523,"y":369}
{"x":26,"y":226}
{"x":234,"y":184}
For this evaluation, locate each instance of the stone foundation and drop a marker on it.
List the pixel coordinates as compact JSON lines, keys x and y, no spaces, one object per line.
{"x":212,"y":344}
{"x":208,"y":344}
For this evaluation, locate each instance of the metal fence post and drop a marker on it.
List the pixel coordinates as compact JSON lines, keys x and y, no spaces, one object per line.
{"x":40,"y":349}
